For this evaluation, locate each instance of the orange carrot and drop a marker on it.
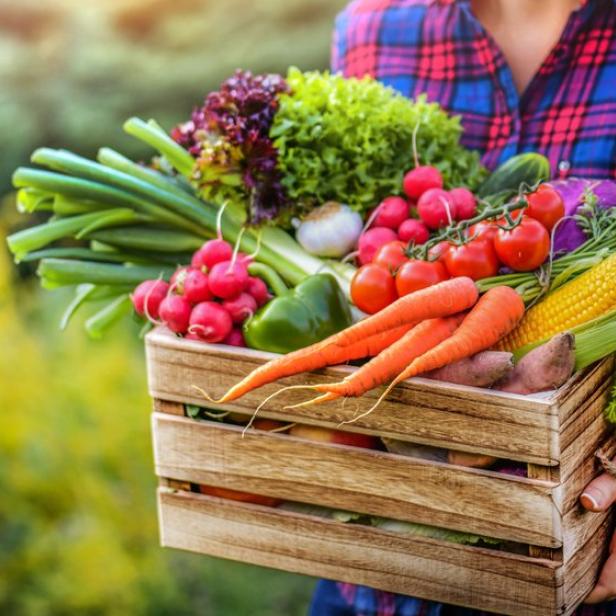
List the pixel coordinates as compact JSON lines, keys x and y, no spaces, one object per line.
{"x":494,"y":316}
{"x":320,"y":355}
{"x":440,"y":300}
{"x":391,"y":361}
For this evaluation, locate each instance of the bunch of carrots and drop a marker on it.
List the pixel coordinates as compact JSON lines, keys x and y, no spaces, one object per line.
{"x":420,"y":332}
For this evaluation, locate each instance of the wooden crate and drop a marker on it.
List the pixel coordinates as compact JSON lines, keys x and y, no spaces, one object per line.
{"x":554,"y":434}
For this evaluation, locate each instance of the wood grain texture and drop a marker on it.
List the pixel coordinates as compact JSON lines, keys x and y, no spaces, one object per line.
{"x":403,"y":488}
{"x":428,"y":412}
{"x":439,"y":570}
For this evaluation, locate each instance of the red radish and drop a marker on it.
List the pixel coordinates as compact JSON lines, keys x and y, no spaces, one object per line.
{"x":192,"y":336}
{"x":240,"y":307}
{"x":175,"y":312}
{"x":228,"y":279}
{"x":258,"y":289}
{"x":436,"y":208}
{"x":391,"y":212}
{"x":415,"y":231}
{"x":420,"y":179}
{"x":177,"y":279}
{"x":464,"y":202}
{"x":196,"y":287}
{"x":147,"y":297}
{"x":371,"y":240}
{"x":210,"y":321}
{"x":212,"y":252}
{"x":244,"y":258}
{"x":235,"y":338}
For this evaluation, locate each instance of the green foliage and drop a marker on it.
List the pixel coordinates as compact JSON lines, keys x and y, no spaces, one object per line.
{"x":78,"y":528}
{"x":351,"y":140}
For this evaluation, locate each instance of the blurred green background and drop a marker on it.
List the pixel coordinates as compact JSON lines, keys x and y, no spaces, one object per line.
{"x":78,"y":529}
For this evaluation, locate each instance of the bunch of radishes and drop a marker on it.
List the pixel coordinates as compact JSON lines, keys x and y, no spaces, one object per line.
{"x":208,"y":300}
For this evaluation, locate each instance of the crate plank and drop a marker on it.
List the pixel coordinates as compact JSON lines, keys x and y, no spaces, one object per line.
{"x":405,"y":488}
{"x":479,"y":578}
{"x":428,"y":412}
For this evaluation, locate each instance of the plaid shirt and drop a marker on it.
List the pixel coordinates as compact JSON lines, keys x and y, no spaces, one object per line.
{"x":567,"y":112}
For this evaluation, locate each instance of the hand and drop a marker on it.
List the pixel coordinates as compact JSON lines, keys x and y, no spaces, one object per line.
{"x":599,"y":495}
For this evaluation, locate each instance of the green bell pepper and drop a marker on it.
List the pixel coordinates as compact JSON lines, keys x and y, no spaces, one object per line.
{"x":315,"y":309}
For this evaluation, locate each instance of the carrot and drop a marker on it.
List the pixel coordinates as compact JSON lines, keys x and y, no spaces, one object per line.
{"x":493,"y":317}
{"x":440,"y":300}
{"x":320,"y":355}
{"x":389,"y":362}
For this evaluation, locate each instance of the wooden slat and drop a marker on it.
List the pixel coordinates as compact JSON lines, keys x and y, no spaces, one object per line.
{"x":165,"y":406}
{"x":427,"y":412}
{"x":403,"y":488}
{"x":442,"y":571}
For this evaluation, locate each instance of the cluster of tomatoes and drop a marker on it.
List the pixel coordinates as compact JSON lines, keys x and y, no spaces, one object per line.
{"x":519,"y":242}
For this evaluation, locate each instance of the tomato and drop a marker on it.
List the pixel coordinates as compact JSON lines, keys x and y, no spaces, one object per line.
{"x":476,"y":259}
{"x":439,"y":251}
{"x":236,"y":495}
{"x":484,"y":230}
{"x":373,"y":288}
{"x":417,"y":274}
{"x":391,"y":255}
{"x":525,"y":247}
{"x":545,"y":205}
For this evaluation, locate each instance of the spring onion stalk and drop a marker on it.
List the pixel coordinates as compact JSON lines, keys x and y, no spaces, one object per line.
{"x":594,"y":340}
{"x":64,"y":272}
{"x":27,"y":240}
{"x":148,"y":239}
{"x":269,"y":276}
{"x":87,"y":293}
{"x":31,"y":200}
{"x":156,"y":138}
{"x":66,"y":206}
{"x":100,"y":322}
{"x":84,"y":254}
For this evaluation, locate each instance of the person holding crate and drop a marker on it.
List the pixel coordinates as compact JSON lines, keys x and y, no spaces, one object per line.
{"x":524,"y":76}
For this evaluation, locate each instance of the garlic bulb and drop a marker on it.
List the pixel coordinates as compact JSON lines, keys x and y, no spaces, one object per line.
{"x":330,"y":230}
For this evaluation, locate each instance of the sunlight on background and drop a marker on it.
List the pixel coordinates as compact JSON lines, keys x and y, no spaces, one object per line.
{"x":78,"y":531}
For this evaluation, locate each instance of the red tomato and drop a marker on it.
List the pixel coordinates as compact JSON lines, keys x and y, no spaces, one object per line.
{"x":236,"y":495}
{"x":417,"y":274}
{"x":525,"y":247}
{"x":484,"y":230}
{"x":439,"y":251}
{"x":391,"y":255}
{"x":545,"y":205}
{"x":476,"y":260}
{"x":373,"y":288}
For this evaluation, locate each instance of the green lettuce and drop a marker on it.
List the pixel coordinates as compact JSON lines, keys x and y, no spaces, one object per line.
{"x":351,"y":140}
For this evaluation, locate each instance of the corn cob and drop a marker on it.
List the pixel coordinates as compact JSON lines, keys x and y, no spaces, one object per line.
{"x":584,"y":298}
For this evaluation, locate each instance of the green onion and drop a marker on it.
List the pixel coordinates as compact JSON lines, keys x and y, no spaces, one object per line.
{"x":149,"y":239}
{"x":99,"y":323}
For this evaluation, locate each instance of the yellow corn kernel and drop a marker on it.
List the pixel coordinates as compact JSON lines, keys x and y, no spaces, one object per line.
{"x":586,"y":297}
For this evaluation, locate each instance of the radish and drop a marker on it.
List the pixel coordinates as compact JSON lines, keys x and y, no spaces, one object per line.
{"x":228,"y":279}
{"x":212,"y":252}
{"x":258,"y":289}
{"x":175,"y":312}
{"x":210,"y":321}
{"x":370,"y":241}
{"x":192,"y":336}
{"x":415,"y":231}
{"x":436,"y":208}
{"x":464,"y":203}
{"x":391,"y":212}
{"x":147,"y":297}
{"x":196,"y":287}
{"x":417,"y":181}
{"x":177,"y":279}
{"x":240,"y":307}
{"x":235,"y":338}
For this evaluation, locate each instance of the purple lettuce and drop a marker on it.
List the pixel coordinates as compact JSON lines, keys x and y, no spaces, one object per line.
{"x":568,"y":234}
{"x":229,"y":137}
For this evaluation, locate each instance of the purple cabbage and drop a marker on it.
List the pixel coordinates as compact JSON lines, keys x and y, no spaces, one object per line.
{"x":229,"y":135}
{"x":568,"y":234}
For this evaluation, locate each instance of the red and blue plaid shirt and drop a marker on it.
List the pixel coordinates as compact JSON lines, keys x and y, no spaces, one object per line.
{"x":567,"y":112}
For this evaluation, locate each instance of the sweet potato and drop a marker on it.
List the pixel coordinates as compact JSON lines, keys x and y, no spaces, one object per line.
{"x":544,"y":368}
{"x":481,"y":370}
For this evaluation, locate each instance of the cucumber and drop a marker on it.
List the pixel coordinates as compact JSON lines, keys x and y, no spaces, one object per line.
{"x":529,"y":168}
